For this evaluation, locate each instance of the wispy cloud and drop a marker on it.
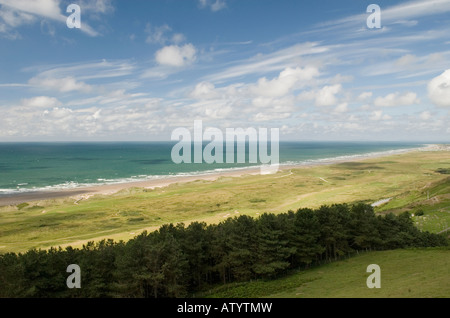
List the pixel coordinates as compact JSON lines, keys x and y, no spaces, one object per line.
{"x":213,"y":5}
{"x":86,"y":70}
{"x":63,"y":85}
{"x":410,"y":65}
{"x":397,"y":14}
{"x":335,"y":79}
{"x":15,"y":13}
{"x":276,"y":61}
{"x":162,"y":35}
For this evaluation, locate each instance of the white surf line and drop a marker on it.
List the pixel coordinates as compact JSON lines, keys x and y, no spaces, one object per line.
{"x":323,"y":179}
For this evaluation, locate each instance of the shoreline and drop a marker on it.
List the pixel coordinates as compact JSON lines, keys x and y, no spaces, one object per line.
{"x":82,"y":193}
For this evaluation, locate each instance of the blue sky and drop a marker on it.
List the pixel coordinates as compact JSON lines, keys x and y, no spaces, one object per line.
{"x":136,"y":70}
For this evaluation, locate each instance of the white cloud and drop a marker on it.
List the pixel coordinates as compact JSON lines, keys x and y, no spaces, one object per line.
{"x":85,"y":71}
{"x":41,"y":102}
{"x":276,"y":94}
{"x":408,"y":23}
{"x":406,"y":60}
{"x":272,"y":84}
{"x":204,"y":90}
{"x":158,"y":72}
{"x":341,"y":108}
{"x":259,"y":117}
{"x":327,"y":95}
{"x":63,"y":85}
{"x":285,"y":82}
{"x":162,"y":35}
{"x":262,"y":101}
{"x":410,"y":65}
{"x":439,"y":89}
{"x":178,"y":38}
{"x":174,"y":55}
{"x":96,"y":6}
{"x":15,"y":18}
{"x":339,"y":79}
{"x":276,"y":61}
{"x":46,"y":8}
{"x":425,"y":115}
{"x":45,"y":116}
{"x":59,"y":113}
{"x":157,"y":34}
{"x":412,"y":9}
{"x":120,"y":96}
{"x":18,"y":12}
{"x":218,"y":5}
{"x":364,"y":96}
{"x":215,"y":6}
{"x":396,"y":99}
{"x":378,"y":115}
{"x":395,"y":14}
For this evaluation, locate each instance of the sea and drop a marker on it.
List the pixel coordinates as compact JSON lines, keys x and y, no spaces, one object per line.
{"x":30,"y":167}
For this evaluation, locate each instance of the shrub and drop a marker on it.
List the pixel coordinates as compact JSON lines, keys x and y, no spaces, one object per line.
{"x":22,"y":205}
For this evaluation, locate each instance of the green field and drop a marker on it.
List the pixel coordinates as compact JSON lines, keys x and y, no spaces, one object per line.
{"x":418,"y":273}
{"x":414,"y":181}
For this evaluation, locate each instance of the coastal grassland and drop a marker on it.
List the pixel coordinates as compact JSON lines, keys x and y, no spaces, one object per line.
{"x":416,"y":273}
{"x":429,"y":205}
{"x":416,"y":180}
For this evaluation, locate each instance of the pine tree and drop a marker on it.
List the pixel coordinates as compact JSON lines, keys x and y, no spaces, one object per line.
{"x":307,"y":236}
{"x":272,"y":249}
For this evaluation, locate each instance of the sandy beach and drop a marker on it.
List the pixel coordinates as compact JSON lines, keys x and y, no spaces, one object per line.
{"x":107,"y":189}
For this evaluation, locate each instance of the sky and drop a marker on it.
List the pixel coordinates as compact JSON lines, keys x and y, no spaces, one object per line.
{"x":137,"y":70}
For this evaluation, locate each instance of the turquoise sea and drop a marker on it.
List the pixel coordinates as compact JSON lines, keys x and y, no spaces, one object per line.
{"x":26,"y":167}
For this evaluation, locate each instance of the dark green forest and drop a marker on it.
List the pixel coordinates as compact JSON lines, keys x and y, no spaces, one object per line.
{"x":179,"y":260}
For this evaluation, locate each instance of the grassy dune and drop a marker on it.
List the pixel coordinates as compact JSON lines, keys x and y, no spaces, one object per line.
{"x":418,"y":273}
{"x":414,"y":181}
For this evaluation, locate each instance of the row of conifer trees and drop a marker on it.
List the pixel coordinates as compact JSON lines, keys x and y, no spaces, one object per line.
{"x":179,"y":260}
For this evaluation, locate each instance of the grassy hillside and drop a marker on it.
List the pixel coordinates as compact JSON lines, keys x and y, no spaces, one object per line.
{"x":429,"y":205}
{"x":414,"y":181}
{"x":417,"y":273}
